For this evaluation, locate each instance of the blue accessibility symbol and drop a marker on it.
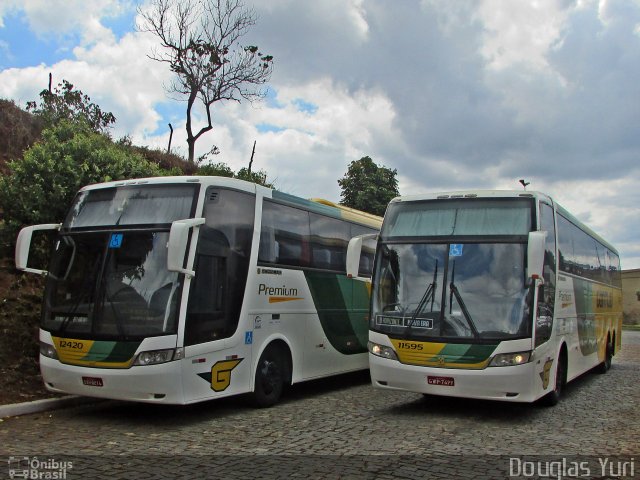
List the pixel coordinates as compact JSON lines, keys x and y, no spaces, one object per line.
{"x":248,"y":338}
{"x":116,"y":240}
{"x":455,"y":250}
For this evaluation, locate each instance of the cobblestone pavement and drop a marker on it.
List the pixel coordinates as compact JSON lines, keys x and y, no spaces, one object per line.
{"x":343,"y":428}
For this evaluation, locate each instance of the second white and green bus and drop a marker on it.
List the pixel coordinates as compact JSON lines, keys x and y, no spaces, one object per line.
{"x":182,"y":289}
{"x":499,"y":295}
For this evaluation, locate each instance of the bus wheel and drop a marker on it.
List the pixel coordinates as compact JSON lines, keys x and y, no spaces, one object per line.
{"x":608,"y":355}
{"x":270,"y":377}
{"x":553,"y":397}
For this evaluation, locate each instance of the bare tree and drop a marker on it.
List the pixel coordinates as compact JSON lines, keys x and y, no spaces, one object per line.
{"x":199,"y":40}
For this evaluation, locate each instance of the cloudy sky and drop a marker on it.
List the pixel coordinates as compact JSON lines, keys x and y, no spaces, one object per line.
{"x":453,"y":94}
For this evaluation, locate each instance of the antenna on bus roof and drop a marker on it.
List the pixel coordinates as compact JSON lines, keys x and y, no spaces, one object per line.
{"x":524,"y":184}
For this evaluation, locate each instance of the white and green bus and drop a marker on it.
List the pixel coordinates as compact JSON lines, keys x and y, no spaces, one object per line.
{"x":182,"y":289}
{"x":498,"y":295}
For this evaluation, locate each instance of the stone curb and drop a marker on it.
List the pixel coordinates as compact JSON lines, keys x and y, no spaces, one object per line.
{"x":36,"y":406}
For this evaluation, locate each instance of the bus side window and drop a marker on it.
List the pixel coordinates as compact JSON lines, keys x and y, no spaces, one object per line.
{"x":221,"y":266}
{"x":284,"y":237}
{"x":547,"y":292}
{"x":368,"y":250}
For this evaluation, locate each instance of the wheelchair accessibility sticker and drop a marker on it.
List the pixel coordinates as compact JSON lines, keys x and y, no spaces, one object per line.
{"x":455,"y":250}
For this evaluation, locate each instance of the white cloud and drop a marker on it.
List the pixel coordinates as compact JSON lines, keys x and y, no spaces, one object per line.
{"x":60,"y":17}
{"x":345,"y":127}
{"x":521,"y":32}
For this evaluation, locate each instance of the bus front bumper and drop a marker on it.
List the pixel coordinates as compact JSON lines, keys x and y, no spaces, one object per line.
{"x":513,"y":384}
{"x":150,"y":383}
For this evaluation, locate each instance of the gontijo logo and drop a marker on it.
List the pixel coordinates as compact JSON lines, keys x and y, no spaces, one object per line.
{"x":278,"y":294}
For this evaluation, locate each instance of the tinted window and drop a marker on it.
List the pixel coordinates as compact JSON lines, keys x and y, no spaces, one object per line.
{"x":284,"y":238}
{"x":546,"y":298}
{"x":581,"y":254}
{"x":221,"y":266}
{"x":298,"y":238}
{"x":368,"y":250}
{"x":131,"y":205}
{"x":458,"y":217}
{"x":329,"y":240}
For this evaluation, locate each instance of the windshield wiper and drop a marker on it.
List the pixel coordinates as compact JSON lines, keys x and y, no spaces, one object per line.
{"x":455,"y":292}
{"x":116,"y":314}
{"x":429,"y":294}
{"x":86,"y":289}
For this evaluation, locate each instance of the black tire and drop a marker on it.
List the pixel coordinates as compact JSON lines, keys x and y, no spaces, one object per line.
{"x":604,"y":367}
{"x":553,"y":397}
{"x":270,"y":377}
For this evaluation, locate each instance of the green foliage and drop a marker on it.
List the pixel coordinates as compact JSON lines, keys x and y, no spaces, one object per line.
{"x":368,"y":187}
{"x":259,"y":177}
{"x":174,"y":164}
{"x":219,"y":169}
{"x":40,"y":188}
{"x":65,"y":103}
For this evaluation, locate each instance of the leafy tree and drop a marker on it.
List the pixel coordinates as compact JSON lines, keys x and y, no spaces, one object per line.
{"x":259,"y":177}
{"x":219,"y":169}
{"x":368,"y":187}
{"x":65,"y":103}
{"x":40,"y":187}
{"x":200,"y":43}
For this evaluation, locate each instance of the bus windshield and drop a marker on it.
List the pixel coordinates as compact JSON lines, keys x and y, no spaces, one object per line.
{"x":108,"y":277}
{"x":111,"y":286}
{"x":470,"y":291}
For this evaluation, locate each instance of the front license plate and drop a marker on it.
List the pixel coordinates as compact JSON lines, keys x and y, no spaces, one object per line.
{"x":442,"y":381}
{"x":92,"y":381}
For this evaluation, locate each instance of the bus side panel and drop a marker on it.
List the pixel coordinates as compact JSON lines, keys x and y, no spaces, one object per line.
{"x":213,"y":370}
{"x":587,"y":313}
{"x":281,"y":305}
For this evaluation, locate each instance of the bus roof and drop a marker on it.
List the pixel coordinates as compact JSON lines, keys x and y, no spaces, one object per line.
{"x":462,"y":194}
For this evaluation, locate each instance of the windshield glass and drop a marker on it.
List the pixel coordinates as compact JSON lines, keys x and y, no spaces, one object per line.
{"x":471,"y":291}
{"x":111,"y":285}
{"x":131,"y":205}
{"x":443,"y":218}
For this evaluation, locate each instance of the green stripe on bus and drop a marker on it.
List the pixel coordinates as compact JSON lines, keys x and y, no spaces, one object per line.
{"x":342,"y":305}
{"x":122,"y":352}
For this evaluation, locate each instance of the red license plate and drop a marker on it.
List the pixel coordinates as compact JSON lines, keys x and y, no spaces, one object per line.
{"x":442,"y":381}
{"x":92,"y":381}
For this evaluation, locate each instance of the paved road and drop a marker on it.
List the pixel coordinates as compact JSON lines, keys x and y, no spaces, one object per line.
{"x":342,"y":428}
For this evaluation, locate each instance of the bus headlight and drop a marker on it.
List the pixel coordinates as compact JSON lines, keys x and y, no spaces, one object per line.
{"x":48,"y":350}
{"x":510,"y":359}
{"x":154,"y":357}
{"x":382,"y":351}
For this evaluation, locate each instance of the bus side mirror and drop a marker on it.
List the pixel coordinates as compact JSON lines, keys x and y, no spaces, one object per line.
{"x":177,"y":247}
{"x":23,"y":245}
{"x":535,"y":254}
{"x":354,"y":250}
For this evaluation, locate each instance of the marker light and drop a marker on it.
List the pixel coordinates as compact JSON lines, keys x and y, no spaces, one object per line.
{"x":510,"y":359}
{"x":382,"y":351}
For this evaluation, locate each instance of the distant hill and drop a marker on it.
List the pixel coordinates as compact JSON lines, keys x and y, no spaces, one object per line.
{"x":18,"y":131}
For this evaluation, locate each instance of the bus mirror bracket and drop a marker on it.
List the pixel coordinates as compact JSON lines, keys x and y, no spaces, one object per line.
{"x":23,"y":245}
{"x":354,"y":250}
{"x":178,"y":238}
{"x":535,"y":255}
